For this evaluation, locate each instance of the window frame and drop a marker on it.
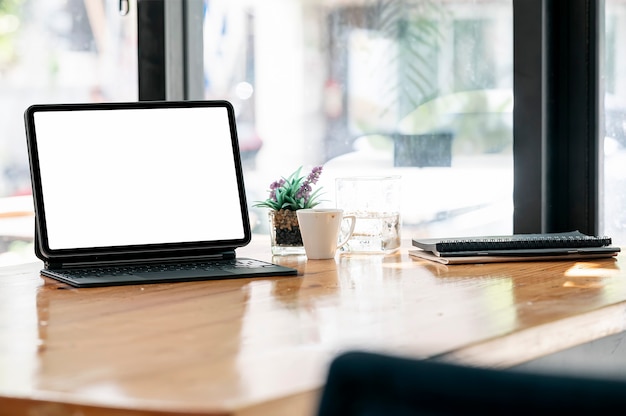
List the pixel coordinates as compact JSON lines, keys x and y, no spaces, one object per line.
{"x":169,"y":44}
{"x":556,"y":118}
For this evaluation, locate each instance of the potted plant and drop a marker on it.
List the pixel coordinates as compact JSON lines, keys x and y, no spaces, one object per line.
{"x":286,"y":196}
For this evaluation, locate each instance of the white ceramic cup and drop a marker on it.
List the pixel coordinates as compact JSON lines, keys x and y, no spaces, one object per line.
{"x":320,"y":231}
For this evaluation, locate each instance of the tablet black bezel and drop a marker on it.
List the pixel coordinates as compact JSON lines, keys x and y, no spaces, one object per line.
{"x":132,"y":252}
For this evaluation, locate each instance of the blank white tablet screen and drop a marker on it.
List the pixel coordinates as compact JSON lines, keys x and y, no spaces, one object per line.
{"x":137,"y":176}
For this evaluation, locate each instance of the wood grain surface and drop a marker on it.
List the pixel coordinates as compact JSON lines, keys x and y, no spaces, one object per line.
{"x":261,"y":346}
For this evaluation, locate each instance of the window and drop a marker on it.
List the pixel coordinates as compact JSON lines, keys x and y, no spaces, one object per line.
{"x":418,"y":88}
{"x":615,"y":122}
{"x":53,"y":51}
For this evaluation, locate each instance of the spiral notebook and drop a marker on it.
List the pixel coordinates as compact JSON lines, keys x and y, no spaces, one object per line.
{"x":516,"y":247}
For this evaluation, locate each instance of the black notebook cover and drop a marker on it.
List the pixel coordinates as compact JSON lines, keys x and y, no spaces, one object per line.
{"x":529,"y":243}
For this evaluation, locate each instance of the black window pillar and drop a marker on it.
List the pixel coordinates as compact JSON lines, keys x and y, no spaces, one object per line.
{"x":151,"y":49}
{"x":556,"y":133}
{"x":169,"y":44}
{"x":573,"y":130}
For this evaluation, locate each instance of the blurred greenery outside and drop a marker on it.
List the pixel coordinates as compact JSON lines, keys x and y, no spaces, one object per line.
{"x":9,"y":24}
{"x":12,"y":250}
{"x":419,"y":100}
{"x":480,"y":122}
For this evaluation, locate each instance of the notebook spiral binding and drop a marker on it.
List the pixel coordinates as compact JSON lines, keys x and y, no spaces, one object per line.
{"x":522,"y":243}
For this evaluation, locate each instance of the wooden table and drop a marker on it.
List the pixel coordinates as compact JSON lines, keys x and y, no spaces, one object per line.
{"x":262,"y":346}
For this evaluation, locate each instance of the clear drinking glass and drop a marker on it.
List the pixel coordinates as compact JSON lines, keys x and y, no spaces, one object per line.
{"x":375,"y":202}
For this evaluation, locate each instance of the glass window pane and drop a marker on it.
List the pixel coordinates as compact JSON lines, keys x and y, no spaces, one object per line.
{"x":614,"y":76}
{"x":54,"y":51}
{"x":418,"y":88}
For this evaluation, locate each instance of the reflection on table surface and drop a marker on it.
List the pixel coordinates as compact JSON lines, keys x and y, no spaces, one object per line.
{"x":232,"y":346}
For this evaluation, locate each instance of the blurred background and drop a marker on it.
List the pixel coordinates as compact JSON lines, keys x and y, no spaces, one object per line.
{"x":417,"y":88}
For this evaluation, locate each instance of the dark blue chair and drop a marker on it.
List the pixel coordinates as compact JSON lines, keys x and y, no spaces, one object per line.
{"x":367,"y":384}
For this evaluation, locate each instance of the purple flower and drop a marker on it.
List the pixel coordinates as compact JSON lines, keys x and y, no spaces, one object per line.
{"x":294,"y":192}
{"x":274,"y":186}
{"x":315,"y":174}
{"x":306,"y":188}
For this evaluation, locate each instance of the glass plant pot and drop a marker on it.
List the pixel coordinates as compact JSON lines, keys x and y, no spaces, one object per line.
{"x":285,"y":233}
